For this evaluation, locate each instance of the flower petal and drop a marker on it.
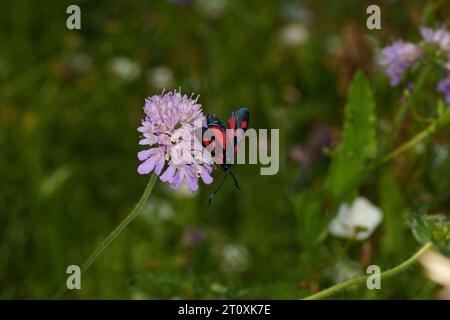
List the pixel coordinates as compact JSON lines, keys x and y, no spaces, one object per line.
{"x":147,"y":166}
{"x":206,"y":176}
{"x":176,"y":181}
{"x":159,"y":165}
{"x":168,"y":175}
{"x":191,"y":180}
{"x":145,"y":154}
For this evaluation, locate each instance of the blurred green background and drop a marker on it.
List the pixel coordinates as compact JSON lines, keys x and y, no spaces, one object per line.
{"x":70,"y":103}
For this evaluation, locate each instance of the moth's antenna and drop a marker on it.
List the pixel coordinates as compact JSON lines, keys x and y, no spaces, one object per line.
{"x":235,"y":181}
{"x":213,"y":194}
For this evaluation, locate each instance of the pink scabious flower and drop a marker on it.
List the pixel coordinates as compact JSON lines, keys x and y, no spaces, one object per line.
{"x":169,"y":117}
{"x":441,"y":37}
{"x":397,"y":58}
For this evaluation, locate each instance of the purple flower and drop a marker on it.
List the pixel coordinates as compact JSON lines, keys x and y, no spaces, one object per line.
{"x":169,"y":130}
{"x":440,"y":37}
{"x":444,"y":87}
{"x":397,"y":58}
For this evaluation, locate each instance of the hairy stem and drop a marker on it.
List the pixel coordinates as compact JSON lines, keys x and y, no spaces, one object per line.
{"x":131,"y":216}
{"x":358,"y":280}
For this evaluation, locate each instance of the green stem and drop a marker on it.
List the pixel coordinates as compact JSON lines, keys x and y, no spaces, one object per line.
{"x":358,"y":280}
{"x":133,"y":214}
{"x":425,"y":133}
{"x":399,"y":116}
{"x":411,"y":143}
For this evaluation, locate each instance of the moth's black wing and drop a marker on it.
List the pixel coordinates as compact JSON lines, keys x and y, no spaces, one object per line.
{"x":239,"y":119}
{"x":243,"y":118}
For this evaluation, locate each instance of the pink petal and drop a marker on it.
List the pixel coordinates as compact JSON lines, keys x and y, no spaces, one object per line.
{"x":159,"y":165}
{"x":145,"y":154}
{"x":191,"y":180}
{"x":206,"y":177}
{"x":147,"y":166}
{"x":168,"y":175}
{"x":176,"y":182}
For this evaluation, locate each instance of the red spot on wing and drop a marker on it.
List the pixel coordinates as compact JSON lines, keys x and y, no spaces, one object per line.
{"x":219,"y":135}
{"x":244,"y":124}
{"x":232,"y":122}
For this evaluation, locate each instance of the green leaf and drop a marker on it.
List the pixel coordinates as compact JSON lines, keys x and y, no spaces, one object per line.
{"x":358,"y":141}
{"x":395,"y":212}
{"x":434,"y":228}
{"x":308,"y":206}
{"x":311,"y":228}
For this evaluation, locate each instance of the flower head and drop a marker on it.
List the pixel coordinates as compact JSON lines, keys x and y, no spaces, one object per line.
{"x":357,"y":221}
{"x":169,"y":130}
{"x":441,"y":37}
{"x":397,"y":58}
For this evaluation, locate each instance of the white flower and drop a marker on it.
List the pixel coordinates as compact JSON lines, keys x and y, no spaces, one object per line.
{"x":293,"y":34}
{"x":235,"y":258}
{"x":357,"y":221}
{"x":437,"y":268}
{"x":160,"y":77}
{"x":125,"y":68}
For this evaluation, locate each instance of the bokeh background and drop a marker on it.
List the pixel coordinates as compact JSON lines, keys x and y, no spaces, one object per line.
{"x":70,"y":103}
